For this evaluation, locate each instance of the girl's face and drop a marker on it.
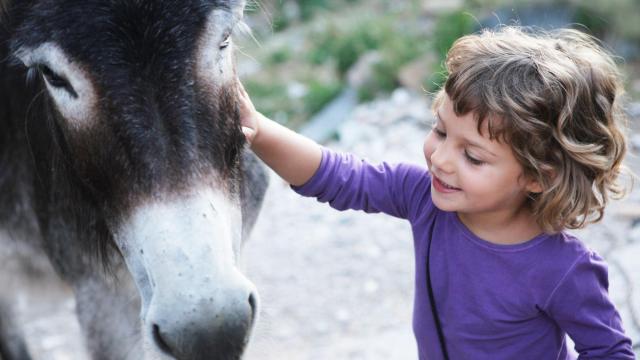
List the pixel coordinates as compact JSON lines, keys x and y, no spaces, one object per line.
{"x":472,"y":174}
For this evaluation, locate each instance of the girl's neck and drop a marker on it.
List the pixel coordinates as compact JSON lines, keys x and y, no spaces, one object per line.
{"x":503,"y":228}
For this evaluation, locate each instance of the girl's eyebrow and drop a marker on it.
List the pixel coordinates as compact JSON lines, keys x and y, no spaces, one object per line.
{"x":466,"y":141}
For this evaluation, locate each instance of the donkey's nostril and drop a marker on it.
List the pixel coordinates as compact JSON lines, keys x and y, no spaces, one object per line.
{"x":252,"y":302}
{"x":157,"y":337}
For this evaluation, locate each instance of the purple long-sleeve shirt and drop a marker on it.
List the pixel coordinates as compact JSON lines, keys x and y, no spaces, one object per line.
{"x":494,"y":301}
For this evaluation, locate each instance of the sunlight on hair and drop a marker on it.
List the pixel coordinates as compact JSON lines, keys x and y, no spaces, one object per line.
{"x":242,"y":29}
{"x":560,"y":93}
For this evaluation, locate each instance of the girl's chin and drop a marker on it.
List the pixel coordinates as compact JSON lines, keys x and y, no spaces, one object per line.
{"x":443,"y":205}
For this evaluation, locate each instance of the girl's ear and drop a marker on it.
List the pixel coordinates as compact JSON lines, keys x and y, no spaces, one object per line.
{"x":534,"y":187}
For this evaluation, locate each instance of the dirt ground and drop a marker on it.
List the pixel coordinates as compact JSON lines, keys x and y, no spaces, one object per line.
{"x":339,"y":285}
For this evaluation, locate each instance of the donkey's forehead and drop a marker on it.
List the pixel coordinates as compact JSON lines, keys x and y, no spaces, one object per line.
{"x":123,"y":30}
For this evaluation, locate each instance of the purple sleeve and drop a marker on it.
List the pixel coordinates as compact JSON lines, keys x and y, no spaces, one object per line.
{"x":581,"y":306}
{"x":347,"y":182}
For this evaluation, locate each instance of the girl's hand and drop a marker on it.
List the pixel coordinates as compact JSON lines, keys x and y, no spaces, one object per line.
{"x":248,"y":115}
{"x":292,"y":156}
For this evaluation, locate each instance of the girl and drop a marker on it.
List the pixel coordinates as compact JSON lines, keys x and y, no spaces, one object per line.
{"x":527,"y":144}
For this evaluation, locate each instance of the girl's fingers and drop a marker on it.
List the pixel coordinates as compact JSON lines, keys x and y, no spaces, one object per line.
{"x":248,"y":133}
{"x":242,"y":92}
{"x":247,"y":113}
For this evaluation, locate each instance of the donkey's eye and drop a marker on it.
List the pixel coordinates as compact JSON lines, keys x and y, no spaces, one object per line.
{"x":52,"y":78}
{"x":56,"y":80}
{"x":225,"y":43}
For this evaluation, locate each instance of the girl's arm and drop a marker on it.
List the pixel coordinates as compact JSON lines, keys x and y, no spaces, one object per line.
{"x":292,"y":156}
{"x":581,"y":306}
{"x":340,"y":179}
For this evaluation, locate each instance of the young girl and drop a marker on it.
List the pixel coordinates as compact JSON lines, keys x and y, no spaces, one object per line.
{"x":527,"y":143}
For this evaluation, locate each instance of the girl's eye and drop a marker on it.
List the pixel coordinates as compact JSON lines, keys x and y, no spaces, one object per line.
{"x":225,"y":43}
{"x":472,"y":160}
{"x":439,"y":133}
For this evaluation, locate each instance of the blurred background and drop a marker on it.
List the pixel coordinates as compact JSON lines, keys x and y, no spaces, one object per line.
{"x":356,"y":75}
{"x":305,"y":51}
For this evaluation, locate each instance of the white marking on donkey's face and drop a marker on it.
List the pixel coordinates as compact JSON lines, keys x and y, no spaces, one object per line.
{"x":76,"y":110}
{"x":191,"y":240}
{"x":183,"y":256}
{"x":214,"y":61}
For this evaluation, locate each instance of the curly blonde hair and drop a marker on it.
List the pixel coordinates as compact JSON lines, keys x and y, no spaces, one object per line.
{"x":555,"y":98}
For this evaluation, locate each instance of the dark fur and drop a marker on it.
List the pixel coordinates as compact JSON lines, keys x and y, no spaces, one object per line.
{"x":157,"y":127}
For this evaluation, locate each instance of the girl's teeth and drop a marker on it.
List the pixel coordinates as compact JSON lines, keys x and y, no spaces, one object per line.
{"x":448,"y":186}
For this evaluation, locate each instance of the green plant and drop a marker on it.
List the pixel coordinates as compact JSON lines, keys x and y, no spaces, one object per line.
{"x":309,"y":7}
{"x":435,"y":80}
{"x":270,"y":98}
{"x":397,"y":41}
{"x":319,"y":94}
{"x":399,"y":49}
{"x":617,"y":16}
{"x":284,"y":13}
{"x":280,"y":56}
{"x":344,"y":45}
{"x":590,"y":20}
{"x":448,"y":29}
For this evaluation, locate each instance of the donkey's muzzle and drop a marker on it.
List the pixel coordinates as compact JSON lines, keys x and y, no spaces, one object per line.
{"x":205,"y":329}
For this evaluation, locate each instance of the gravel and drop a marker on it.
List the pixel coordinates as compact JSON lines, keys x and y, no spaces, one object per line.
{"x":339,"y":285}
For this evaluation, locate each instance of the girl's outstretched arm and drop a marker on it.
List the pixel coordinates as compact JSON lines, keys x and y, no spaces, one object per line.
{"x":292,"y":156}
{"x":343,"y":180}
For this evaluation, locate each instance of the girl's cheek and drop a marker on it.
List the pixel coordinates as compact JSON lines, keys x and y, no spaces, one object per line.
{"x":428,"y":148}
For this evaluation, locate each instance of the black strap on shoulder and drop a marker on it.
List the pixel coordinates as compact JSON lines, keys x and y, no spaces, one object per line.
{"x":434,"y":311}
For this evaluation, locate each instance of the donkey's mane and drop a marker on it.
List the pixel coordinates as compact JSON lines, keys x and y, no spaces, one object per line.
{"x":4,"y":5}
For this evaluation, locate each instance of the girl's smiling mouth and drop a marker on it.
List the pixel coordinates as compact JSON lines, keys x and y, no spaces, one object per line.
{"x":443,"y":187}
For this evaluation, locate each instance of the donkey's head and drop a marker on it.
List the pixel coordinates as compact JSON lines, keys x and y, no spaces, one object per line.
{"x":143,"y":115}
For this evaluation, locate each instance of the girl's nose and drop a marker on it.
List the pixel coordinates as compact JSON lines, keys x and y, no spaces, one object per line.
{"x":441,"y":160}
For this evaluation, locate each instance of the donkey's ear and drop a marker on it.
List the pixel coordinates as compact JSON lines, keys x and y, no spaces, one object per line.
{"x":5,"y":4}
{"x":4,"y":7}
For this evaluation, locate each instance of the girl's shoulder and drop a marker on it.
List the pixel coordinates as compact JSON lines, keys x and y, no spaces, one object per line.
{"x":567,"y":248}
{"x":416,"y":186}
{"x":568,"y":259}
{"x":561,"y":251}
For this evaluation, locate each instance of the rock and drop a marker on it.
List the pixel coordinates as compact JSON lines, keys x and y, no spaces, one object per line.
{"x":400,"y":97}
{"x":412,"y":75}
{"x":634,"y":140}
{"x":629,"y":211}
{"x":439,"y":7}
{"x":297,"y":90}
{"x":343,"y":315}
{"x":324,"y":124}
{"x":634,"y":234}
{"x":633,"y":110}
{"x":362,"y":71}
{"x":371,"y":286}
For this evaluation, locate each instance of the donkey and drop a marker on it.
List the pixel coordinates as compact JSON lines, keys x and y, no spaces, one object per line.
{"x":124,"y":174}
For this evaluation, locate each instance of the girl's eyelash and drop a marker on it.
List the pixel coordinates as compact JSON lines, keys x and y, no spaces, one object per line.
{"x":441,"y":134}
{"x":472,"y":160}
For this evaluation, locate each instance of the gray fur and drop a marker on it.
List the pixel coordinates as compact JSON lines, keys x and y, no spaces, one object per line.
{"x":57,"y":228}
